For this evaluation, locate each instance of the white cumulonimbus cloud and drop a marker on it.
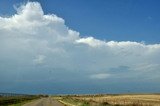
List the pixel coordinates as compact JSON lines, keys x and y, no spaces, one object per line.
{"x":32,"y":42}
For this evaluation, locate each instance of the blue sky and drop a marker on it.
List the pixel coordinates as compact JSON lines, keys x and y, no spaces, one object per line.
{"x":121,"y":20}
{"x":82,"y":46}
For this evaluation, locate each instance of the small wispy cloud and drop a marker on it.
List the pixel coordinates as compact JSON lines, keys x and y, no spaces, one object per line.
{"x":100,"y":76}
{"x":39,"y":59}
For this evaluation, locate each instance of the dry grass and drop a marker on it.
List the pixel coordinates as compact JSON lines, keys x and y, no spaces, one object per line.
{"x":125,"y":100}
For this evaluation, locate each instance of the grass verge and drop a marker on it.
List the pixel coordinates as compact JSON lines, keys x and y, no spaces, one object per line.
{"x":16,"y":101}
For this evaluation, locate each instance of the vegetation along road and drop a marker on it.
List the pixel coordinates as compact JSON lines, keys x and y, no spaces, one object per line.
{"x":44,"y":102}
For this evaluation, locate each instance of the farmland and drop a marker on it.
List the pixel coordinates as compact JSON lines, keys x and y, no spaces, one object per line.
{"x":113,"y":100}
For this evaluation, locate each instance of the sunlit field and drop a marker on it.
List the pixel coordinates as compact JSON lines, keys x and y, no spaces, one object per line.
{"x":118,"y":100}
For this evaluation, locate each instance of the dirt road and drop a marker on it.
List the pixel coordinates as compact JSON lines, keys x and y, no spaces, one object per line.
{"x":44,"y":102}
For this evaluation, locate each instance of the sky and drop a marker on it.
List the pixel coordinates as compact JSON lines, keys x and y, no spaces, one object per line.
{"x":79,"y":47}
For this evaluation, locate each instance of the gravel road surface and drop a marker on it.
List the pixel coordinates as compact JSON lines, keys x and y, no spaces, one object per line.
{"x":44,"y":102}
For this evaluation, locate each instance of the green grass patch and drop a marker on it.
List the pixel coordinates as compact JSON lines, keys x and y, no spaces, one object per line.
{"x":75,"y":101}
{"x":16,"y":101}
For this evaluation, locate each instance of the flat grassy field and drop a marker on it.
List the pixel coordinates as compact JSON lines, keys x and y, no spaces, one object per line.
{"x":16,"y":100}
{"x":114,"y":100}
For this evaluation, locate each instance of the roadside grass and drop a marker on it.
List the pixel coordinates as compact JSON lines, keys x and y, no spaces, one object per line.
{"x":21,"y":103}
{"x":75,"y":102}
{"x":16,"y":100}
{"x":69,"y":101}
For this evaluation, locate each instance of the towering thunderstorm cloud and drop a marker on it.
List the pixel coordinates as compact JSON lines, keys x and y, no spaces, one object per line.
{"x":36,"y":49}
